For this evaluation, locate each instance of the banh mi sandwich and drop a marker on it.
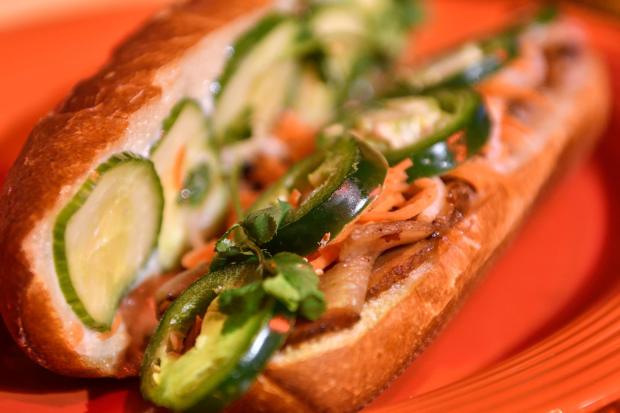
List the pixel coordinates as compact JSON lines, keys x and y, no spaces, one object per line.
{"x":254,"y":206}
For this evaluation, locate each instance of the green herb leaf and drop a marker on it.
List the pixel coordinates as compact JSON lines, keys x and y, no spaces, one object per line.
{"x":225,"y":243}
{"x":281,"y":288}
{"x":313,"y":306}
{"x":246,"y":299}
{"x":234,"y":247}
{"x":296,"y":285}
{"x":261,"y":226}
{"x":244,"y":240}
{"x":195,"y":186}
{"x":240,"y":303}
{"x":293,"y":283}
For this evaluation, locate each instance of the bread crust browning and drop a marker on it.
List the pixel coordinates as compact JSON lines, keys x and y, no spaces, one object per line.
{"x":343,"y":372}
{"x":64,"y":146}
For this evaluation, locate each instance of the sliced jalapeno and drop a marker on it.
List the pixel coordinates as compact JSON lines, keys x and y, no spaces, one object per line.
{"x":436,"y":130}
{"x":225,"y":357}
{"x":463,"y":65}
{"x":446,"y":154}
{"x":335,"y":185}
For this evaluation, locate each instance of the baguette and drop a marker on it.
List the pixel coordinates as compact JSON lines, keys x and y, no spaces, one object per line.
{"x":178,"y":54}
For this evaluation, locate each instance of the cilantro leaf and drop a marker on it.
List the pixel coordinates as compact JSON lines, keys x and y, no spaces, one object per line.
{"x":244,"y":299}
{"x":234,"y":247}
{"x":298,"y":271}
{"x":261,"y":226}
{"x":280,"y":288}
{"x":240,"y":303}
{"x":313,"y":306}
{"x":287,"y":277}
{"x":242,"y":241}
{"x":296,"y":286}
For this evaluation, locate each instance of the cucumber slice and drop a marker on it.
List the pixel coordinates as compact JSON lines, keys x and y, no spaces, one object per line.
{"x":314,"y":100}
{"x":464,"y":65}
{"x":342,"y":29}
{"x":257,"y":79}
{"x":194,"y":193}
{"x":104,"y":236}
{"x":270,"y":93}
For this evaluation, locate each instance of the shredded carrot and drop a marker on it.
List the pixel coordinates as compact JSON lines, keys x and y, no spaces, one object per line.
{"x":294,"y":198}
{"x":393,"y":188}
{"x":501,"y":88}
{"x":325,"y":239}
{"x":190,"y":339}
{"x":457,"y":145}
{"x":391,"y":196}
{"x":296,"y":134}
{"x":413,"y":207}
{"x":330,"y":249}
{"x":175,"y":342}
{"x":203,"y":253}
{"x":400,"y":168}
{"x":247,"y":196}
{"x":177,"y":169}
{"x":345,"y":232}
{"x":231,"y":219}
{"x":151,"y":305}
{"x":268,"y":169}
{"x":325,"y":256}
{"x":385,"y":203}
{"x":279,"y":324}
{"x":478,"y":174}
{"x":375,"y":192}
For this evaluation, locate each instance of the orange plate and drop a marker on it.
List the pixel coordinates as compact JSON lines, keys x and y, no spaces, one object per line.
{"x":541,"y":333}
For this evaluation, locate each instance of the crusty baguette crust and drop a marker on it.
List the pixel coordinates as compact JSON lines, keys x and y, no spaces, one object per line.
{"x":64,"y":146}
{"x":344,"y":371}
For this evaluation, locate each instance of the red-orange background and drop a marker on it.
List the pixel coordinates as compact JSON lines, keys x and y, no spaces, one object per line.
{"x":564,"y":259}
